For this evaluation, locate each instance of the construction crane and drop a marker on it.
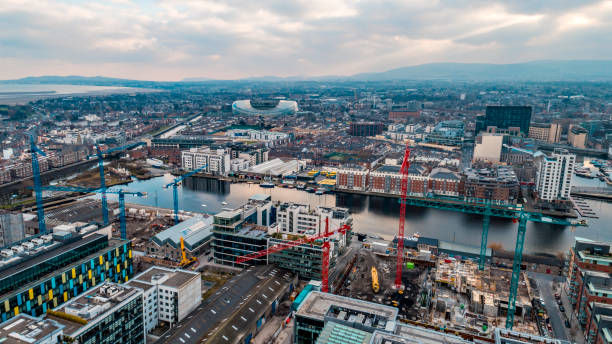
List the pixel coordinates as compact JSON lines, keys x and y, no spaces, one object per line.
{"x":485,"y":208}
{"x":175,"y":184}
{"x":100,"y":155}
{"x":402,"y":220}
{"x":40,"y":210}
{"x":289,"y":244}
{"x":120,"y":192}
{"x":184,"y":261}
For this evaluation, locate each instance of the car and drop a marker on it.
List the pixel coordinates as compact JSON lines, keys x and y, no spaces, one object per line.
{"x":561,"y":308}
{"x":559,"y":302}
{"x":557,"y":296}
{"x":567,"y":323}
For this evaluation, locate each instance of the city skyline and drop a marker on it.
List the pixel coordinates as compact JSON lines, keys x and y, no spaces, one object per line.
{"x":232,"y":40}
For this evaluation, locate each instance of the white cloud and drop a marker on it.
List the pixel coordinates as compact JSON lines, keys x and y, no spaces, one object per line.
{"x":170,"y":39}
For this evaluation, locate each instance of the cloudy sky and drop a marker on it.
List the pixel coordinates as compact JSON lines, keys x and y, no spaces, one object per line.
{"x":227,"y":39}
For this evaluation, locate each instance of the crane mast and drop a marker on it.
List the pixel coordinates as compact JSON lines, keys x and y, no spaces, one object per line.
{"x":402,"y":218}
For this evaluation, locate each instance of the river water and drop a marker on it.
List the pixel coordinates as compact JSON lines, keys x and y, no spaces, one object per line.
{"x":379,"y":215}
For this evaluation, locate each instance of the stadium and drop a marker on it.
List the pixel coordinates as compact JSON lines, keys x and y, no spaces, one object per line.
{"x":267,"y":107}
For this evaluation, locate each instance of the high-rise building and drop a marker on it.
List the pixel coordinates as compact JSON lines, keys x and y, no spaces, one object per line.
{"x":547,"y":132}
{"x":11,"y":228}
{"x":554,"y":177}
{"x":107,"y":314}
{"x":505,"y":117}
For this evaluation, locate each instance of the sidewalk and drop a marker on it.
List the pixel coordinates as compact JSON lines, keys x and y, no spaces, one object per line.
{"x":575,"y":332}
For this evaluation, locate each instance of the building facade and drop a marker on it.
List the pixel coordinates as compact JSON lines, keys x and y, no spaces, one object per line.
{"x":217,"y":161}
{"x":12,"y":228}
{"x":107,"y":314}
{"x":352,"y":179}
{"x":488,"y":147}
{"x":554,"y":177}
{"x":577,"y":136}
{"x":169,"y":294}
{"x":589,"y":288}
{"x":547,"y":132}
{"x":498,"y":184}
{"x":366,"y":128}
{"x":242,"y":231}
{"x":505,"y":117}
{"x":46,"y":281}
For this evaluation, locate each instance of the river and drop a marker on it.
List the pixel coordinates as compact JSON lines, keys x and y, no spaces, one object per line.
{"x":379,"y":215}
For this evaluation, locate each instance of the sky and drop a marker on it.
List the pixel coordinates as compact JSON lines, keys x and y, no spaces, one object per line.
{"x":227,"y":39}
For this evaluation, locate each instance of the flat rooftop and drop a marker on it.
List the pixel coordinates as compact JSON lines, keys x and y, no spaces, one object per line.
{"x":94,"y":304}
{"x":273,"y":282}
{"x":26,"y":329}
{"x":317,"y":304}
{"x":175,"y":278}
{"x":112,"y":243}
{"x":54,"y":252}
{"x":426,"y":336}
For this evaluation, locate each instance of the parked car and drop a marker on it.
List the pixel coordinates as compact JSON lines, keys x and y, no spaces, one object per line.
{"x":559,"y":302}
{"x":561,"y":308}
{"x":567,"y":323}
{"x":557,"y":296}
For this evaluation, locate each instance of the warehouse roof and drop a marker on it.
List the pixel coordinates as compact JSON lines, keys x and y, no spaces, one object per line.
{"x":193,"y":231}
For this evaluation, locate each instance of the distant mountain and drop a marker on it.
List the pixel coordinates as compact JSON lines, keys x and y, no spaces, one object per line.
{"x":546,"y":70}
{"x":574,"y":70}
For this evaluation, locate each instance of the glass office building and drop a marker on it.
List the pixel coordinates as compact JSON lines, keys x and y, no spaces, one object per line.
{"x":505,"y":117}
{"x":43,"y":281}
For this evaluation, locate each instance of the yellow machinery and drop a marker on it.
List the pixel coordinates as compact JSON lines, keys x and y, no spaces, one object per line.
{"x":375,"y":285}
{"x":184,"y":261}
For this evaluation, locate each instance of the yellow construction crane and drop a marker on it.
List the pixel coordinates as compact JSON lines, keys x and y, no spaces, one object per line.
{"x":375,"y":285}
{"x":184,"y":261}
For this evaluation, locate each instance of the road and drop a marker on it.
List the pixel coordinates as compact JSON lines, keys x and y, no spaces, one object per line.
{"x":556,"y":320}
{"x":212,"y":312}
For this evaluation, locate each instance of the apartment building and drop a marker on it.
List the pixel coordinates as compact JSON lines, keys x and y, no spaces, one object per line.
{"x":217,"y":161}
{"x":352,"y":179}
{"x":589,"y":287}
{"x":554,"y":176}
{"x":300,"y":219}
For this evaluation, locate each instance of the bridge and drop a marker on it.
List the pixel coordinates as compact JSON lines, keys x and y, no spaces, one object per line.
{"x":594,"y":192}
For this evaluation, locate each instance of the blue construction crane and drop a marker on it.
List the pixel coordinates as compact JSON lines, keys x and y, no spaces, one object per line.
{"x":42,"y":227}
{"x":120,"y":192}
{"x":100,"y":155}
{"x":488,"y":209}
{"x":175,"y":184}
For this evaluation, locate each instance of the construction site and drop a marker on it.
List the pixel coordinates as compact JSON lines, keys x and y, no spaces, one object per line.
{"x":442,"y":291}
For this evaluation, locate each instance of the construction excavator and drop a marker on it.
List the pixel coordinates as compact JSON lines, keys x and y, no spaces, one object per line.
{"x":184,"y":261}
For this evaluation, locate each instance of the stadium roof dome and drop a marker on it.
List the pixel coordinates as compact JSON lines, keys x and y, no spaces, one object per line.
{"x":266,"y":107}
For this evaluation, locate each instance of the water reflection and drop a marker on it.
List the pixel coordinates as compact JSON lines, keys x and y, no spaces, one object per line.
{"x":379,"y":215}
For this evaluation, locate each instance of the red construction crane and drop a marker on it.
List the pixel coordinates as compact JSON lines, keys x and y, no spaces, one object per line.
{"x":402,"y":219}
{"x":283,"y":246}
